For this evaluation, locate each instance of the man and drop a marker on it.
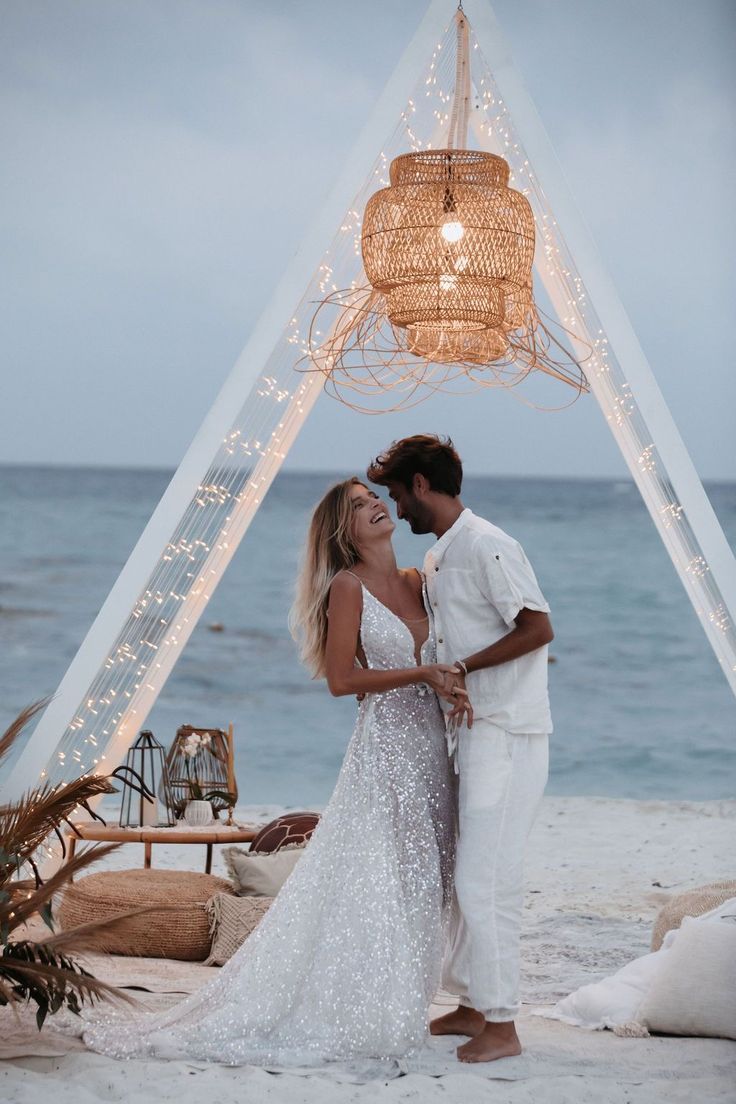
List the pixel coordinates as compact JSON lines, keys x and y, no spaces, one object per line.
{"x":491,"y":622}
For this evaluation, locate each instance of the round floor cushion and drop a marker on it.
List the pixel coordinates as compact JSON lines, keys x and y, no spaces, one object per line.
{"x":289,"y":830}
{"x":694,"y":902}
{"x":181,"y":930}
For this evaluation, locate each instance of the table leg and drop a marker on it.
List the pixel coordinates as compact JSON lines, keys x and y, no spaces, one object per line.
{"x":147,"y":856}
{"x":208,"y":864}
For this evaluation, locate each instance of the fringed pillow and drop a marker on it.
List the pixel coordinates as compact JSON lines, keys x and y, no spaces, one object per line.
{"x":232,"y":919}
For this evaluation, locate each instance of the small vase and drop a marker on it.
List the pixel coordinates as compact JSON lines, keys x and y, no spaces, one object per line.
{"x":198,"y":813}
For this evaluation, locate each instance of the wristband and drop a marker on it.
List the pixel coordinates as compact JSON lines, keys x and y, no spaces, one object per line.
{"x":462,"y":665}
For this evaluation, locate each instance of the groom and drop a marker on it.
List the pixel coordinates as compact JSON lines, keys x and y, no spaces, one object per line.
{"x":491,"y":622}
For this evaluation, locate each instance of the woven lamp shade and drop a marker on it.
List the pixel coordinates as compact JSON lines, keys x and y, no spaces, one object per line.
{"x":451,"y":246}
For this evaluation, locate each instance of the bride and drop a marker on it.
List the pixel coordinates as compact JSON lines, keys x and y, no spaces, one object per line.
{"x":345,"y":963}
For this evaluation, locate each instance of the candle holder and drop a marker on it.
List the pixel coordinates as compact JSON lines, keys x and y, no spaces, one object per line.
{"x":144,"y":774}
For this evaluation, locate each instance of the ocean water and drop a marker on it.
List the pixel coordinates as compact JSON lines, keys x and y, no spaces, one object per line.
{"x":640,"y":706}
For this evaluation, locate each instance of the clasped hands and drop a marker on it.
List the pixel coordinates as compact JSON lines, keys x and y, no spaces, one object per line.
{"x":449,"y":684}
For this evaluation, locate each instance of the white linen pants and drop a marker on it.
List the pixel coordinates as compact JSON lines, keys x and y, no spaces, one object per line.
{"x":501,"y":778}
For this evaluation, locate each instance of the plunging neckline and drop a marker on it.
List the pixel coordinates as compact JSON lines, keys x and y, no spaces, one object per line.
{"x":417,"y":661}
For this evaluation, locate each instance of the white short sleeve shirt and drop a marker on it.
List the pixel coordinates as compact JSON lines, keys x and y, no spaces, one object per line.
{"x":478,"y":579}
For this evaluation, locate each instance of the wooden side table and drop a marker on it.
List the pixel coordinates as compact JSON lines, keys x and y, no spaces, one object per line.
{"x":210,"y":834}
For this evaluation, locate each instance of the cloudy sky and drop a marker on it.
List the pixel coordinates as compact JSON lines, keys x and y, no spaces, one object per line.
{"x":161,"y":159}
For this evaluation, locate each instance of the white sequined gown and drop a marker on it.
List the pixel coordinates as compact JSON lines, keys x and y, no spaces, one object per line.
{"x":345,"y":963}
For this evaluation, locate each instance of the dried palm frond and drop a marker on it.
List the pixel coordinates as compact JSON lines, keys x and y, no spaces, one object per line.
{"x":20,"y":907}
{"x":14,"y":730}
{"x":27,"y":822}
{"x":41,"y":971}
{"x":32,"y":972}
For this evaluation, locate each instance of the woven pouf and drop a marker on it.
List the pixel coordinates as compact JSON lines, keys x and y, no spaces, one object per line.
{"x":180,"y":932}
{"x":693,"y":903}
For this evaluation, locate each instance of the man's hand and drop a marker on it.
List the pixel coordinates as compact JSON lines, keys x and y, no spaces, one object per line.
{"x":462,"y":710}
{"x":441,"y":678}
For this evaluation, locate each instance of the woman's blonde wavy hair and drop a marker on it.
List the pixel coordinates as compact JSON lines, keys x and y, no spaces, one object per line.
{"x":330,"y":549}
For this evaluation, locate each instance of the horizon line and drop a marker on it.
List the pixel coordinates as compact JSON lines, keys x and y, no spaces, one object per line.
{"x":468,"y":473}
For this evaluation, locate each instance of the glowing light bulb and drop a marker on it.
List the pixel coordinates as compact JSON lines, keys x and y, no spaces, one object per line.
{"x":452,"y":231}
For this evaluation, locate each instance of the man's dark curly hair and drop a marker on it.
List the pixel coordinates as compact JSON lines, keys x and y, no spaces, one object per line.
{"x":427,"y":454}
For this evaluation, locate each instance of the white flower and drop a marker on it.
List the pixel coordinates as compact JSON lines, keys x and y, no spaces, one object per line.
{"x":190,"y":747}
{"x":195,"y":742}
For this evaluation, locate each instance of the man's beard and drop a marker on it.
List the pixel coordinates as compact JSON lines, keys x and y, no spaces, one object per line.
{"x":419,"y":518}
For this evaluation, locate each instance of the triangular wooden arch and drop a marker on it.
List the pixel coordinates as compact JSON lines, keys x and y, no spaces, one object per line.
{"x":164,"y":587}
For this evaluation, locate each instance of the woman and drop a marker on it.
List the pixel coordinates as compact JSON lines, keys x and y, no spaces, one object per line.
{"x":345,"y":963}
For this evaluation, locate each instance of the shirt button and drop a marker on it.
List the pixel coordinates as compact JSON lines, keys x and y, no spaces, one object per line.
{"x":436,"y":567}
{"x":440,"y":640}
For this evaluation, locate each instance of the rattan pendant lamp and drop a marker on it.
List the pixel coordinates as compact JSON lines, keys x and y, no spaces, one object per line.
{"x":448,"y":250}
{"x":449,"y":244}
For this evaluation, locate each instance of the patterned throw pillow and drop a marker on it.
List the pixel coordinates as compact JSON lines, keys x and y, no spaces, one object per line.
{"x":285,"y":831}
{"x":232,"y":919}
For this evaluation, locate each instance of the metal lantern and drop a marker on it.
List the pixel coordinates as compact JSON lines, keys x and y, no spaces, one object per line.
{"x":214,"y":769}
{"x":144,"y":776}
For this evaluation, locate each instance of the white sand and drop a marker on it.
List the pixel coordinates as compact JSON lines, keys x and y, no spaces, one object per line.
{"x":597,"y":872}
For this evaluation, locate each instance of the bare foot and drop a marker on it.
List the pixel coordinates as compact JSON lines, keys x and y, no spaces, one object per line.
{"x":463,"y":1021}
{"x":495,"y":1040}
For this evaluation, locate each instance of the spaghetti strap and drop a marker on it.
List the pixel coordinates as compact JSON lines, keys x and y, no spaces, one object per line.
{"x":349,"y":572}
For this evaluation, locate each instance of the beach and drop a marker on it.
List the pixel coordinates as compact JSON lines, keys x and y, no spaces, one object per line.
{"x":643,"y":719}
{"x":598,"y":870}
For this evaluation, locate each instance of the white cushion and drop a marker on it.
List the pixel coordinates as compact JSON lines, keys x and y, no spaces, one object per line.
{"x":613,"y":1000}
{"x":694,"y":992}
{"x":262,"y":873}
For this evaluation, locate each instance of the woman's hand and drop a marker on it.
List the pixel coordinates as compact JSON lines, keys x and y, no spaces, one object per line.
{"x":442,"y":678}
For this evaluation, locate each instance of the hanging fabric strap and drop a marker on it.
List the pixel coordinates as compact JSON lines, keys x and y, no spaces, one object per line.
{"x":459,"y":115}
